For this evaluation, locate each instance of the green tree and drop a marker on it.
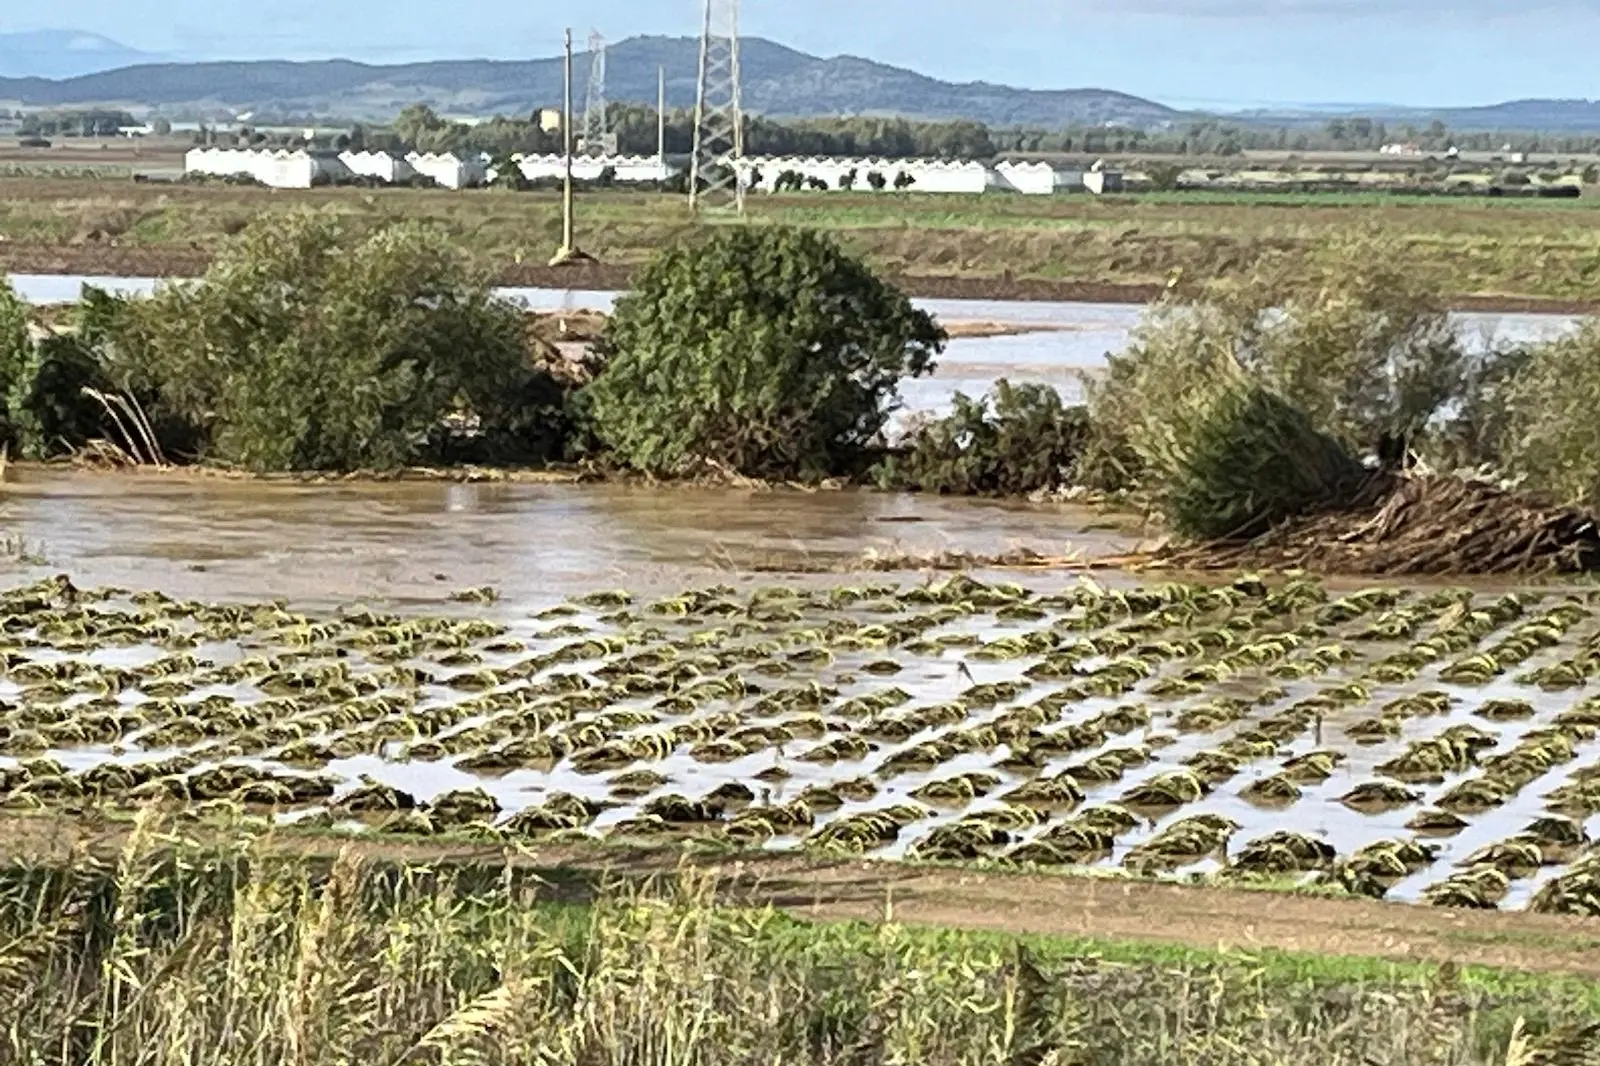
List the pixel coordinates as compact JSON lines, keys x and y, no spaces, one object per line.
{"x":1549,"y":435}
{"x":308,"y":346}
{"x":764,"y":351}
{"x":1362,"y":346}
{"x":415,"y":124}
{"x":1017,"y":440}
{"x":15,"y":349}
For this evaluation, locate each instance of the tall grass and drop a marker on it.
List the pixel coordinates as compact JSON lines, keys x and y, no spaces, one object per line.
{"x":178,"y":955}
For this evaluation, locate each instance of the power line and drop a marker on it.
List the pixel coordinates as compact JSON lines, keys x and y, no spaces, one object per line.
{"x":714,"y":178}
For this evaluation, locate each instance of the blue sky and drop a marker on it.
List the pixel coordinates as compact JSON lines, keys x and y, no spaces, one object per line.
{"x":1187,"y":52}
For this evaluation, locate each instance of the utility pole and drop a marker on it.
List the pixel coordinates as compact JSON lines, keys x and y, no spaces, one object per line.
{"x":568,"y":252}
{"x":661,"y":116}
{"x":715,"y":175}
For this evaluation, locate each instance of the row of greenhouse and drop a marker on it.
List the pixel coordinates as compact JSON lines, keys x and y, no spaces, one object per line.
{"x":304,"y":169}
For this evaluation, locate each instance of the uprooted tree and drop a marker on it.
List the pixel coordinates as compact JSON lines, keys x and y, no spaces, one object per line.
{"x":767,"y":352}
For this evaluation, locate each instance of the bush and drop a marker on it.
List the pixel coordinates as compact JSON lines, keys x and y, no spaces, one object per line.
{"x":1028,"y":442}
{"x":43,"y":382}
{"x":49,"y":410}
{"x":1364,"y":348}
{"x":15,"y":349}
{"x":766,"y":351}
{"x":1474,"y":435}
{"x":1164,"y":177}
{"x":1236,"y":458}
{"x":308,"y":347}
{"x":1551,"y":435}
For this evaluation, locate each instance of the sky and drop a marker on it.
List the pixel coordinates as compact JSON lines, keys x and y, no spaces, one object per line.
{"x":1196,"y":53}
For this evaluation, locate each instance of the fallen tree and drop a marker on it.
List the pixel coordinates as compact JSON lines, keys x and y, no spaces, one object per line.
{"x":1413,"y":525}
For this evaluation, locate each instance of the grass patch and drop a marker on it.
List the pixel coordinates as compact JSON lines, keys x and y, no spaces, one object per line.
{"x":218,"y":956}
{"x":1467,"y":246}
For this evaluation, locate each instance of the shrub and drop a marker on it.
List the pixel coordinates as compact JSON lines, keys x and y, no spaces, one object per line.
{"x":43,"y":382}
{"x":1164,"y":177}
{"x":1551,"y":436}
{"x":1364,"y":348}
{"x":767,"y":351}
{"x":1236,"y":458}
{"x":15,"y":348}
{"x":1473,"y":436}
{"x":1027,"y":441}
{"x":307,"y":347}
{"x":49,"y":410}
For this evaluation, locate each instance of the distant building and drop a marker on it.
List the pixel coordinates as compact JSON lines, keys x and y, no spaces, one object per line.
{"x":625,"y":169}
{"x":1036,"y":179}
{"x":383,"y":166}
{"x":1103,"y":181}
{"x":277,"y":169}
{"x":1402,"y":148}
{"x":450,"y":170}
{"x":550,"y":120}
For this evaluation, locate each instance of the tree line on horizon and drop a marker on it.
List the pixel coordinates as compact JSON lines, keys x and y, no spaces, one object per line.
{"x":421,"y":128}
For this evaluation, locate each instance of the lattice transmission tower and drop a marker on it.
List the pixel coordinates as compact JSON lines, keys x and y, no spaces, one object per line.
{"x":597,"y":137}
{"x":715,"y":175}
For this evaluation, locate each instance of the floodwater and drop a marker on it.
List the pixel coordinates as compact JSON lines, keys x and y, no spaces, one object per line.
{"x":925,"y":678}
{"x":1060,"y":342}
{"x":320,"y":545}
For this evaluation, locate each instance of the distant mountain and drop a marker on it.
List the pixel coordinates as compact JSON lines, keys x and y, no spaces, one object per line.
{"x":1552,"y":115}
{"x":1548,"y":116}
{"x":777,"y":81}
{"x":66,"y":69}
{"x":63,"y":54}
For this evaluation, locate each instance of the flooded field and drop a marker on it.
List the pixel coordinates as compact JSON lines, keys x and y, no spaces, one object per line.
{"x":1424,"y":746}
{"x":407,"y":543}
{"x":1060,"y":343}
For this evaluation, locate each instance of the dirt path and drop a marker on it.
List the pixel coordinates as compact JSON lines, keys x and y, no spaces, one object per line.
{"x":1196,"y":916}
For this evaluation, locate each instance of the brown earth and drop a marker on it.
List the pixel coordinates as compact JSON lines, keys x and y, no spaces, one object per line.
{"x":111,"y":259}
{"x":1203,"y":917}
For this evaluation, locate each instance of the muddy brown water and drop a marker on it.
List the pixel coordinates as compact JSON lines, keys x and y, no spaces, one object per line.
{"x":408,"y":545}
{"x":411,"y":543}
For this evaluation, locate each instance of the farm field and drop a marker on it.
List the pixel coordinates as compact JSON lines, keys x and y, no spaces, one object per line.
{"x":1125,"y":248}
{"x":1430,"y":746}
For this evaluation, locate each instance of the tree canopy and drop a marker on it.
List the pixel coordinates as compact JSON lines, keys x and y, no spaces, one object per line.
{"x":766,"y":351}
